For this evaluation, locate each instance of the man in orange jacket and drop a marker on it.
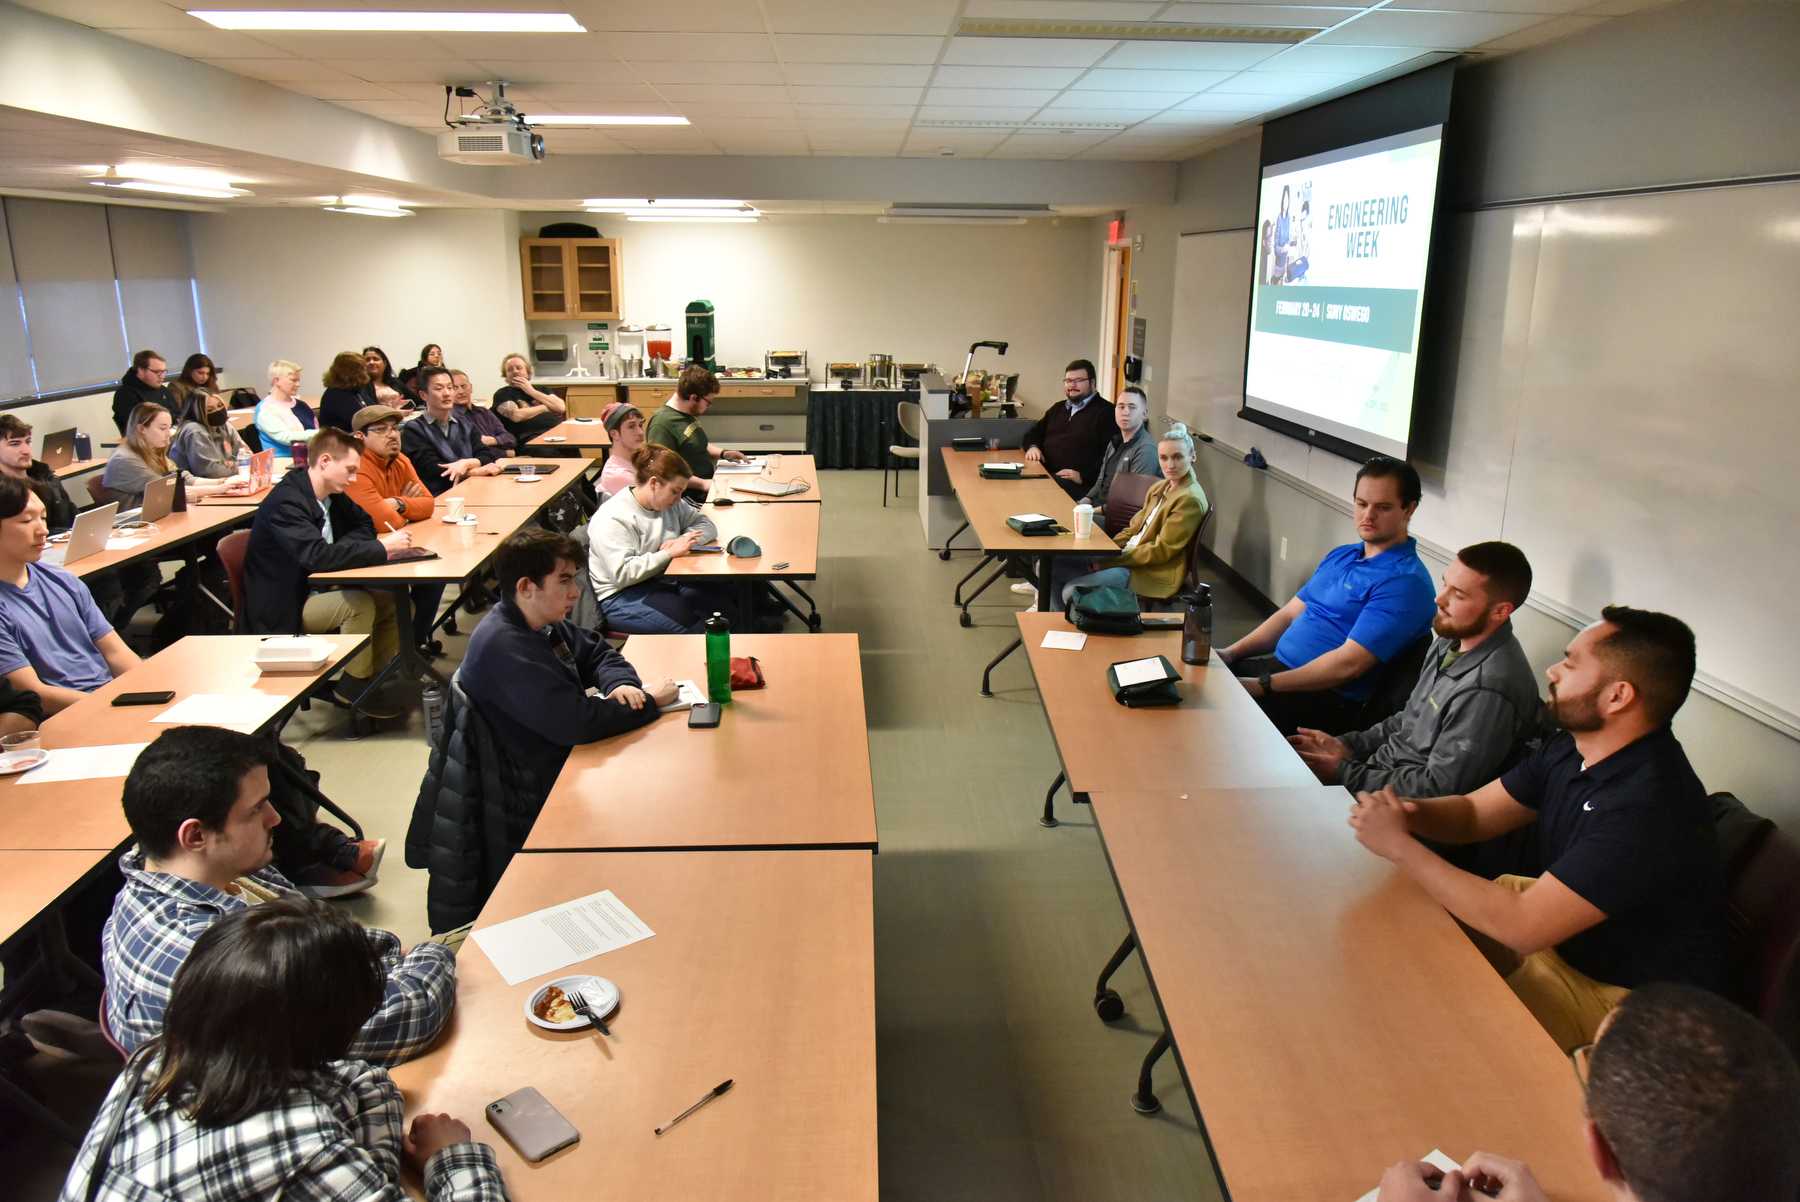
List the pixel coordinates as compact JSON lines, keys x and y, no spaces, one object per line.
{"x":388,"y":487}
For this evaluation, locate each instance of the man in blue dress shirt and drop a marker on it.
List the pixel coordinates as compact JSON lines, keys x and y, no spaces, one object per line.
{"x":1318,"y":659}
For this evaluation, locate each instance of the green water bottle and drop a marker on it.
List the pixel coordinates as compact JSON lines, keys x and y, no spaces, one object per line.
{"x":718,"y":659}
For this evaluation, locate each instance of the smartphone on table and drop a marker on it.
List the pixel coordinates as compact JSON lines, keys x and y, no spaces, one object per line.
{"x":531,"y":1124}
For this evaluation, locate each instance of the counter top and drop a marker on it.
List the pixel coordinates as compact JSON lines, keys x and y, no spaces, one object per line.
{"x":574,"y":381}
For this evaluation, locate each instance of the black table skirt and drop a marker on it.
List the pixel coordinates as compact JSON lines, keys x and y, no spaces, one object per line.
{"x":844,"y":427}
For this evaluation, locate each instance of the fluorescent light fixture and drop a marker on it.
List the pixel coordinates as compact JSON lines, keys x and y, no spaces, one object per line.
{"x":885,"y":220}
{"x":677,"y":210}
{"x":144,"y":185}
{"x":717,"y":217}
{"x":566,"y":119}
{"x":392,"y":22}
{"x":369,"y":206}
{"x":621,"y":206}
{"x":1132,"y":31}
{"x":170,"y":180}
{"x":1010,"y":214}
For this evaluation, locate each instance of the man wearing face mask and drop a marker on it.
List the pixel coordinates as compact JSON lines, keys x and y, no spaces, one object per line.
{"x":1632,"y":889}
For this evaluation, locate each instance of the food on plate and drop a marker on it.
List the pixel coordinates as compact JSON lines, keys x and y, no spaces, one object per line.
{"x":554,"y":1007}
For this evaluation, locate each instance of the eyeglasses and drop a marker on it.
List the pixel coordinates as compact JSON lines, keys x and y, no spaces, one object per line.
{"x":1579,"y":1059}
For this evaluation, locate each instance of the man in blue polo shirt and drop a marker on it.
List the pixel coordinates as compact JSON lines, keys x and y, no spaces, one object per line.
{"x":1320,"y":657}
{"x":1632,"y":890}
{"x":53,"y":640}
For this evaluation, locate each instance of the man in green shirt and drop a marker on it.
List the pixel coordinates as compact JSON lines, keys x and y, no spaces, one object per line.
{"x":677,"y":426}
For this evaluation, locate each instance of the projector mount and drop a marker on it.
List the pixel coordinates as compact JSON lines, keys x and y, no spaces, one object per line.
{"x":498,"y":111}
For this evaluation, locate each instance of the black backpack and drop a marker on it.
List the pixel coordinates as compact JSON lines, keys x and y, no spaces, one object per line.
{"x":1102,"y":609}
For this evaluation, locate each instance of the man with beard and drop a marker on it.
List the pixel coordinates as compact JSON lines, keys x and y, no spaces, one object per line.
{"x":1632,"y":890}
{"x":1476,"y":701}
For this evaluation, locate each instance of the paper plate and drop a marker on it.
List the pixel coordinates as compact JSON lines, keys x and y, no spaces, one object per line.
{"x":466,"y":517}
{"x":15,"y":762}
{"x":602,"y":996}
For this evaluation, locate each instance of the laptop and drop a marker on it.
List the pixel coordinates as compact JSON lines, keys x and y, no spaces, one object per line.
{"x":768,"y":488}
{"x":88,"y":537}
{"x":59,"y":449}
{"x":159,"y":502}
{"x":543,"y":469}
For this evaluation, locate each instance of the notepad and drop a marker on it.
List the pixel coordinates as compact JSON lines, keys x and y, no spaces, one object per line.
{"x":124,"y":544}
{"x":85,"y":763}
{"x":237,"y":711}
{"x":1033,"y":519}
{"x":749,"y":467}
{"x":1433,"y":1157}
{"x":1065,"y":640}
{"x":547,"y":940}
{"x":688,"y":695}
{"x":1140,"y":671}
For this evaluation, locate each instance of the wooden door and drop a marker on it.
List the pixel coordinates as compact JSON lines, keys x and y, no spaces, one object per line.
{"x":595,"y":280}
{"x":1121,"y":325}
{"x":546,"y":278}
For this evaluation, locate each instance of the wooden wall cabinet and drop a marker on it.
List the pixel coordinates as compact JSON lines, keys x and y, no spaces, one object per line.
{"x":571,"y":278}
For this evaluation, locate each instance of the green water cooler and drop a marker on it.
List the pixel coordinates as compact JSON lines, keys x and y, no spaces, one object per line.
{"x":700,"y":346}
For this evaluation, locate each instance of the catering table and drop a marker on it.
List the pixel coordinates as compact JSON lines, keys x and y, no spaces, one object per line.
{"x":844,"y":425}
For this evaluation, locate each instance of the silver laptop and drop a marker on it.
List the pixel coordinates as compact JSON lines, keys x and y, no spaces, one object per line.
{"x":159,"y":498}
{"x":767,"y":487}
{"x":88,"y":537}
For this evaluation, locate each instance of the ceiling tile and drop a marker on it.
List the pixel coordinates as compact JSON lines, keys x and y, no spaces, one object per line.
{"x":527,"y":47}
{"x":1279,"y":15}
{"x":691,"y":47}
{"x":1026,"y":52}
{"x":538,"y":73}
{"x":724,"y":93}
{"x":844,"y":48}
{"x":853,"y":112}
{"x":1104,"y":79}
{"x":714,"y":16}
{"x":202,"y":43}
{"x":1278,"y":83}
{"x":883,"y":75}
{"x":118,"y":14}
{"x":964,"y":97}
{"x":1117,"y":102}
{"x":933,"y":112}
{"x":1064,"y":10}
{"x":279,"y":70}
{"x":1235,"y":105}
{"x":1349,"y":59}
{"x":838,"y":16}
{"x":410,"y":47}
{"x":353,"y":89}
{"x":838,"y":127}
{"x":790,"y":125}
{"x":587,"y":95}
{"x":952,"y":76}
{"x":1547,"y":31}
{"x":661,"y":73}
{"x":1546,"y":7}
{"x":1441,"y":31}
{"x":1207,"y":56}
{"x":438,"y":71}
{"x":849,"y":95}
{"x":1623,"y":8}
{"x":698,"y":111}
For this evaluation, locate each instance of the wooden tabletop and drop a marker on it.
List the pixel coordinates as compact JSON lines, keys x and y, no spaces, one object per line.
{"x":793,"y":469}
{"x":245,"y":500}
{"x":509,"y":491}
{"x":171,"y":530}
{"x":988,"y":503}
{"x":786,"y":533}
{"x":85,"y":814}
{"x":761,"y":971}
{"x":574,"y":433}
{"x":454,"y":562}
{"x":788,"y":765}
{"x":1330,"y":1017}
{"x":36,"y":881}
{"x":78,"y":467}
{"x":1218,"y":735}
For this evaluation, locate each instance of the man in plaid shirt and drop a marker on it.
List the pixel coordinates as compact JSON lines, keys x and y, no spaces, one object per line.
{"x":198,"y":801}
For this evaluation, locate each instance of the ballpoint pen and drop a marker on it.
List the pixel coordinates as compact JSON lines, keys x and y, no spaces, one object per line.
{"x":717,"y":1090}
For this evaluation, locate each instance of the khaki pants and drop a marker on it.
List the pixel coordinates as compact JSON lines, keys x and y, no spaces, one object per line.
{"x":354,"y":611}
{"x":1567,"y":1003}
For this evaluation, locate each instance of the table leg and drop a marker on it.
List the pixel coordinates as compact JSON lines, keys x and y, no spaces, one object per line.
{"x":407,"y":658}
{"x":1044,"y":575}
{"x":945,"y":553}
{"x":1144,"y":1101}
{"x":995,"y":663}
{"x":1049,"y":818}
{"x":1107,"y":1002}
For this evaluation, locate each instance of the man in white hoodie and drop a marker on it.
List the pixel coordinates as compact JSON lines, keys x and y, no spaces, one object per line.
{"x":633,"y":539}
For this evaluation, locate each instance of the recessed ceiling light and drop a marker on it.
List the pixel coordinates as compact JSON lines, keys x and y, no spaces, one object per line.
{"x":1133,"y":31}
{"x":169,"y":173}
{"x":400,"y":22}
{"x":716,"y":217}
{"x":146,"y":185}
{"x":661,"y":206}
{"x":369,"y":206}
{"x":565,"y":119}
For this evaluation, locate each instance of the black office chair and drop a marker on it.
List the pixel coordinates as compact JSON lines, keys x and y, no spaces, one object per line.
{"x":1397,"y":683}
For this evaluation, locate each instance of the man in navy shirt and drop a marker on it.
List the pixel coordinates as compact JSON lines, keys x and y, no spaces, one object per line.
{"x":1320,"y":657}
{"x":1632,"y":889}
{"x":443,"y":445}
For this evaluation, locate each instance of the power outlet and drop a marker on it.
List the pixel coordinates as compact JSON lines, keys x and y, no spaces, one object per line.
{"x":1284,"y":550}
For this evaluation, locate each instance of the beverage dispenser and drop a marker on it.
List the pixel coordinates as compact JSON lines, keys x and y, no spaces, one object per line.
{"x":701,"y":348}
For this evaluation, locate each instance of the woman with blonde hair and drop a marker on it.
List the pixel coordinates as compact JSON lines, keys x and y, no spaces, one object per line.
{"x":1155,"y":544}
{"x":143,"y":459}
{"x":282,"y":417}
{"x":525,"y":410}
{"x":636,"y":535}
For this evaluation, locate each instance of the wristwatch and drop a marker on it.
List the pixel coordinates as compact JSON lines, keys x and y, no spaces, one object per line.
{"x":1267,"y":684}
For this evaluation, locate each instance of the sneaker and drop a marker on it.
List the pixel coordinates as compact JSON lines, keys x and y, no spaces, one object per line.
{"x":67,"y":1033}
{"x":1025,"y":588}
{"x":322,"y":881}
{"x":363,"y":857}
{"x":349,"y":688}
{"x":1031,"y":609}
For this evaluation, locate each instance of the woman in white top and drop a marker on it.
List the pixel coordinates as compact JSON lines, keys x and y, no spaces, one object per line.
{"x":625,"y":426}
{"x":282,"y":416}
{"x":636,"y":535}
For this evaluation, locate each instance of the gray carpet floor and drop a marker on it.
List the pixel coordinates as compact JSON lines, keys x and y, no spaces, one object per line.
{"x":996,"y":1080}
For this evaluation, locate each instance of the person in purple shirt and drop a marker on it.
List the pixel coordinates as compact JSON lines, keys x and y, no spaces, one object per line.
{"x":1318,"y":659}
{"x":488,"y":428}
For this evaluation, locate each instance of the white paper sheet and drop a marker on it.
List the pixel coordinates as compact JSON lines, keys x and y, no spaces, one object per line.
{"x":124,"y":544}
{"x":548,"y":940}
{"x":85,"y":763}
{"x":1065,"y":640}
{"x":687,"y":698}
{"x":750,"y":467}
{"x":1139,"y":671}
{"x":239,"y":711}
{"x":1433,"y":1157}
{"x":1032,"y":517}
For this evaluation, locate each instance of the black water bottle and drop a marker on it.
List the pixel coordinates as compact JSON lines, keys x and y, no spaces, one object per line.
{"x":1196,"y":627}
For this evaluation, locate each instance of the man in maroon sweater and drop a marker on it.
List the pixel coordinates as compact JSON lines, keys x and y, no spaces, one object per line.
{"x":1070,"y":439}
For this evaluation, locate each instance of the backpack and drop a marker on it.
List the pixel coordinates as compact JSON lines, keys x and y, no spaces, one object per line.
{"x":1102,"y":609}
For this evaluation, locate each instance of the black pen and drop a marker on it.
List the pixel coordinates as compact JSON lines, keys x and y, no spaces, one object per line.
{"x":717,"y":1090}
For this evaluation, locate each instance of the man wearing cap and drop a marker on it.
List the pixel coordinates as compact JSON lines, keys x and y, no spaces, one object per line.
{"x":388,"y":487}
{"x":625,"y":426}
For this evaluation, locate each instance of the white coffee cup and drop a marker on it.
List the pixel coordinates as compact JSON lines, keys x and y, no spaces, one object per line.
{"x":465,"y":532}
{"x":1084,"y":520}
{"x":456,"y":508}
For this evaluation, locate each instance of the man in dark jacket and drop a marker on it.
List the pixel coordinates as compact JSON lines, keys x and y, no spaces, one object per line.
{"x":543,"y":683}
{"x":16,"y":460}
{"x":144,"y":382}
{"x":305,"y":525}
{"x":1070,"y":439}
{"x":443,"y":445}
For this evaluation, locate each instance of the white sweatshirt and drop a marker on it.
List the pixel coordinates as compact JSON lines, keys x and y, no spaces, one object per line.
{"x":624,"y":540}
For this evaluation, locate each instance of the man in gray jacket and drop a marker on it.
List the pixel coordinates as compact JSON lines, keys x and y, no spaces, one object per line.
{"x":1476,"y":702}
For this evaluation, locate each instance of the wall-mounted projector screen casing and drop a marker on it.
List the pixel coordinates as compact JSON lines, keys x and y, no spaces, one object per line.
{"x":1342,"y":256}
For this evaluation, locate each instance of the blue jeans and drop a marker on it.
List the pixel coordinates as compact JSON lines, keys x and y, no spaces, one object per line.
{"x":1059,"y":588}
{"x":664,"y":606}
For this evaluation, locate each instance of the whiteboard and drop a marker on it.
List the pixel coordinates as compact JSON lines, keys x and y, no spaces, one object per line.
{"x":1626,"y":409}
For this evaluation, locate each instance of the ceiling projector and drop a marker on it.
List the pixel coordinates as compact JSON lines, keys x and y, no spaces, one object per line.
{"x":493,"y":135}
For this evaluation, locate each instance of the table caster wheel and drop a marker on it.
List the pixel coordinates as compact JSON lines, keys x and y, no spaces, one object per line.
{"x":944,"y":554}
{"x":965,"y":619}
{"x":1109,"y":1006}
{"x":814,"y":621}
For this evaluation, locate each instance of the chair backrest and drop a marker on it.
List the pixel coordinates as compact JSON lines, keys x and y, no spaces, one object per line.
{"x":1195,"y":552}
{"x":232,"y":550}
{"x":102,"y":495}
{"x":1124,"y":497}
{"x":1397,"y":683}
{"x":1765,"y":909}
{"x":909,"y":418}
